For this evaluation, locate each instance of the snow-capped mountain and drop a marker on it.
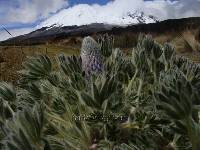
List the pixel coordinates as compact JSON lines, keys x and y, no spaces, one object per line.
{"x":137,"y":18}
{"x":85,"y":14}
{"x":57,"y":34}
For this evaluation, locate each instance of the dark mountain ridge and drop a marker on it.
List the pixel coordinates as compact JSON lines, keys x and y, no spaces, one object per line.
{"x":53,"y":34}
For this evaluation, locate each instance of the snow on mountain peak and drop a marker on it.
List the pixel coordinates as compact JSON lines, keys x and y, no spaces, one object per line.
{"x":84,"y":14}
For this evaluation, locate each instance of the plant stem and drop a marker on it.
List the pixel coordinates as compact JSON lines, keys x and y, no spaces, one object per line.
{"x":154,"y":73}
{"x":140,"y":87}
{"x":167,"y":66}
{"x":10,"y":109}
{"x":155,"y":77}
{"x":139,"y":91}
{"x":131,"y":82}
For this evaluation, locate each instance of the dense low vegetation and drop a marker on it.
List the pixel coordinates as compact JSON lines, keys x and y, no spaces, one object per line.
{"x":146,"y":101}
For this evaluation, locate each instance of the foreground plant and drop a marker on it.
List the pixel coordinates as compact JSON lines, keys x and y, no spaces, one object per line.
{"x":103,"y":99}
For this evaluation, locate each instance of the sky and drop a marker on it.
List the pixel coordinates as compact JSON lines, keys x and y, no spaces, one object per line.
{"x":23,"y":16}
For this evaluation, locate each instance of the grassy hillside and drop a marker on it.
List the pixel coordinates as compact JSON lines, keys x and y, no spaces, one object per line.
{"x":11,"y":57}
{"x":186,"y":43}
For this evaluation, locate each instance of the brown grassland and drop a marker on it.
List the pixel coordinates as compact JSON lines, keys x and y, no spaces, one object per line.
{"x":11,"y":57}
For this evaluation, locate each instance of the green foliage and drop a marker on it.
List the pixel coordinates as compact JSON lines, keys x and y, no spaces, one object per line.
{"x":70,"y":65}
{"x":149,"y":100}
{"x":106,"y":43}
{"x":7,"y":92}
{"x":36,"y":68}
{"x":24,"y":131}
{"x":180,"y":102}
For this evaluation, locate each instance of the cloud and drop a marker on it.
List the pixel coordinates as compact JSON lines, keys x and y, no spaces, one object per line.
{"x":28,"y":11}
{"x":163,"y":9}
{"x":187,"y":8}
{"x":15,"y":32}
{"x":86,"y":14}
{"x":176,"y":9}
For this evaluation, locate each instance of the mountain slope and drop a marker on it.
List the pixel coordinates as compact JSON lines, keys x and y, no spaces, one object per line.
{"x":55,"y":33}
{"x":85,"y":14}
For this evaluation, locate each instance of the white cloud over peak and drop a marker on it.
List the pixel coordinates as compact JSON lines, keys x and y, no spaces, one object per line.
{"x":85,"y":14}
{"x":28,"y":11}
{"x":176,"y":9}
{"x":112,"y":11}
